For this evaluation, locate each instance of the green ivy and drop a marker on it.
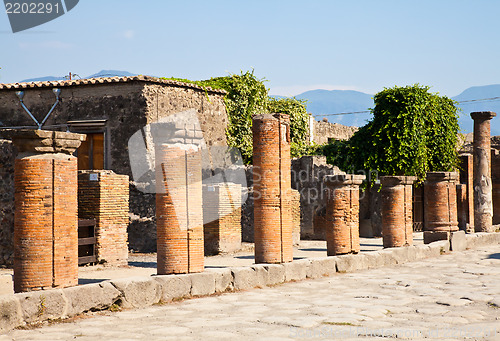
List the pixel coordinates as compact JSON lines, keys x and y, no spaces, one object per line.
{"x":412,"y":132}
{"x":247,"y":96}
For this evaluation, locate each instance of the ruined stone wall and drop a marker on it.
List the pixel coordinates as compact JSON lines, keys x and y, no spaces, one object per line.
{"x":7,"y":156}
{"x":128,"y":106}
{"x":307,"y":178}
{"x":324,"y":130}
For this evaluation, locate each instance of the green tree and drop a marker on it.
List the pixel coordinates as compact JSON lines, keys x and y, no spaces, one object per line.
{"x":412,"y":132}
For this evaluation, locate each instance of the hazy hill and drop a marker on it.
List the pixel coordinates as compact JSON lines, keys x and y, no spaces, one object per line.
{"x":323,"y":102}
{"x":102,"y":73}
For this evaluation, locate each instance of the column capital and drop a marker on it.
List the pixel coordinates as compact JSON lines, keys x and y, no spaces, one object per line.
{"x":482,"y":115}
{"x":343,"y":180}
{"x":43,"y":141}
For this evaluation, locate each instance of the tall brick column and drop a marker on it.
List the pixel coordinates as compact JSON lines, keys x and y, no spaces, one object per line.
{"x":342,"y":213}
{"x":467,"y":179}
{"x":483,"y":206}
{"x":440,"y":205}
{"x":179,"y":214}
{"x":272,"y":189}
{"x":495,"y":179}
{"x":46,"y":221}
{"x":397,"y":210}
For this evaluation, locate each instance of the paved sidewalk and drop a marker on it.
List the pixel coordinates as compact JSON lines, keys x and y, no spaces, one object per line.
{"x":452,"y":297}
{"x":145,"y":264}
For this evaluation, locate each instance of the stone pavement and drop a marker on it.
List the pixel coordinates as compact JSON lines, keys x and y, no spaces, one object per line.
{"x":452,"y":297}
{"x":145,"y":264}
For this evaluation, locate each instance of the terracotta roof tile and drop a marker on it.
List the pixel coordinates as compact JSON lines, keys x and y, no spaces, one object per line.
{"x":105,"y":80}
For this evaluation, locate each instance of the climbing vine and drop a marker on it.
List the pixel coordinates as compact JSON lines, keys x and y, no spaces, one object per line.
{"x":412,"y":132}
{"x":247,"y":96}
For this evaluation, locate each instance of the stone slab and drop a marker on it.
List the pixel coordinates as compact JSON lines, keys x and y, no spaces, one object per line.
{"x":458,"y":241}
{"x":138,"y":291}
{"x":90,"y":297}
{"x":173,"y":286}
{"x":202,"y":283}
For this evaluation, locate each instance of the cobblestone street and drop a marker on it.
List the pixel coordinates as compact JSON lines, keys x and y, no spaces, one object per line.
{"x":454,"y":297}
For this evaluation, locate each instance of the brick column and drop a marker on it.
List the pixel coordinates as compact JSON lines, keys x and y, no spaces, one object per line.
{"x":440,"y":206}
{"x":483,"y":206}
{"x":495,"y":179}
{"x":466,"y":178}
{"x":104,"y":196}
{"x":179,"y":214}
{"x":342,"y":213}
{"x":46,"y":222}
{"x":272,"y":189}
{"x":222,"y":218}
{"x":397,"y":210}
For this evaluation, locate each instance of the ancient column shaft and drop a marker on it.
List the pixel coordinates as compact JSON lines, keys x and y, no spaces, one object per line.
{"x":46,"y":216}
{"x":272,"y":189}
{"x":397,"y":216}
{"x":342,"y":214}
{"x":483,"y":201}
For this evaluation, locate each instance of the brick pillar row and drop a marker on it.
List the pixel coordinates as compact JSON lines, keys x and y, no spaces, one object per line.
{"x":342,"y":213}
{"x":483,"y":206}
{"x":179,"y":214}
{"x":46,"y":221}
{"x":397,"y":210}
{"x":272,"y":189}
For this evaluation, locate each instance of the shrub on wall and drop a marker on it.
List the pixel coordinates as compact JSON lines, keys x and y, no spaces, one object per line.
{"x":248,"y":96}
{"x":412,"y":132}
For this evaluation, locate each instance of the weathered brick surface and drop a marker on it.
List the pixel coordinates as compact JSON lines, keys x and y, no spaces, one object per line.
{"x":483,"y":206}
{"x":272,"y":189}
{"x":179,"y":209}
{"x":440,"y":200}
{"x":495,"y":179}
{"x":33,"y":225}
{"x":106,"y":200}
{"x":342,"y":214}
{"x":397,"y":210}
{"x":462,"y":207}
{"x":467,"y":178}
{"x":222,"y":217}
{"x":45,"y":230}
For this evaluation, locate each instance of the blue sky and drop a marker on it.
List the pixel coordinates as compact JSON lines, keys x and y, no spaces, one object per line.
{"x":296,"y":45}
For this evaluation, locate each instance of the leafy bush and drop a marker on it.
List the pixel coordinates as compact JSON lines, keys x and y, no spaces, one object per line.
{"x":412,"y":132}
{"x":248,"y":96}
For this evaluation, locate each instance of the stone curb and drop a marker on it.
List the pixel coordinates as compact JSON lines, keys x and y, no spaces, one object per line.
{"x":135,"y":292}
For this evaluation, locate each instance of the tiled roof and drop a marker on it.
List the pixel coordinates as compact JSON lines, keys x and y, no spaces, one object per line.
{"x":105,"y":80}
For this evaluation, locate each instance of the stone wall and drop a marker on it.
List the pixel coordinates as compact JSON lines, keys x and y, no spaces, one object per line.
{"x":323,"y":131}
{"x":7,"y":156}
{"x":127,"y":104}
{"x":307,"y":178}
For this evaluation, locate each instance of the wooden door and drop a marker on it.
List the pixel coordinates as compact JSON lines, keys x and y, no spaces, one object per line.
{"x":91,"y":152}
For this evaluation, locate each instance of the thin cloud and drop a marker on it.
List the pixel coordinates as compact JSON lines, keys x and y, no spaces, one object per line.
{"x":129,"y":34}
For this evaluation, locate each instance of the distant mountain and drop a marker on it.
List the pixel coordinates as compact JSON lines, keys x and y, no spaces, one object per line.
{"x":112,"y":73}
{"x":43,"y":79}
{"x":323,"y":102}
{"x":479,"y":92}
{"x":102,"y":73}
